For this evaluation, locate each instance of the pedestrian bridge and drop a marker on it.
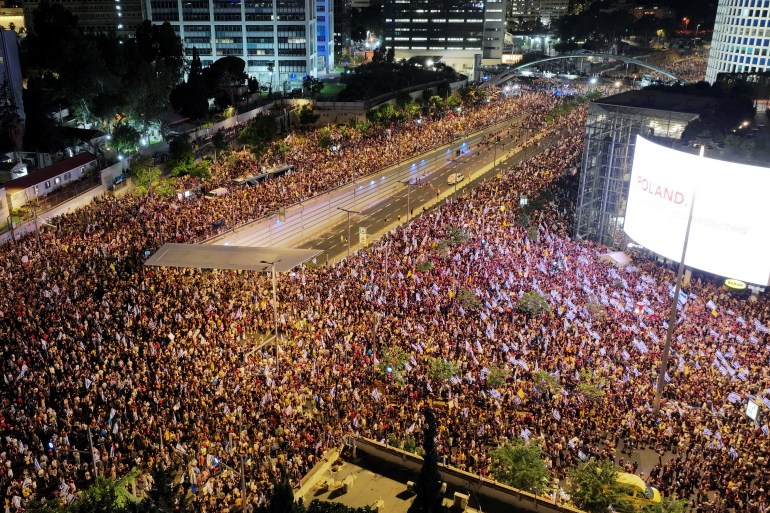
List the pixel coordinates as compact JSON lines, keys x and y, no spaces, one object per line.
{"x":514,"y":71}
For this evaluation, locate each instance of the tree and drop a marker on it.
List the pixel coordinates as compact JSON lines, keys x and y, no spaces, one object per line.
{"x":307,"y":116}
{"x":441,"y":369}
{"x":546,"y":382}
{"x":125,"y":138}
{"x":182,"y":155}
{"x":591,"y":385}
{"x":312,"y":86}
{"x":427,"y":487}
{"x":161,"y":498}
{"x":593,"y":487}
{"x":219,"y":142}
{"x":282,"y":498}
{"x":222,"y":77}
{"x":667,"y":505}
{"x":497,"y":376}
{"x":521,"y":466}
{"x":532,"y":303}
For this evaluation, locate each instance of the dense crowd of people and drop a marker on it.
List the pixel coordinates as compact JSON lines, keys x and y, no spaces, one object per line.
{"x":154,"y":365}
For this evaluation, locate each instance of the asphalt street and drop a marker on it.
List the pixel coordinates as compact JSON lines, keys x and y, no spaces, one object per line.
{"x":421,"y":197}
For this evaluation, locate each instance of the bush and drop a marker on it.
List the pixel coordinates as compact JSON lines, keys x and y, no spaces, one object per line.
{"x":441,"y":369}
{"x":533,"y":304}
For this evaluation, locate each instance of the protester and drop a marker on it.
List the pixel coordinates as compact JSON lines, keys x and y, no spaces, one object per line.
{"x":156,"y":365}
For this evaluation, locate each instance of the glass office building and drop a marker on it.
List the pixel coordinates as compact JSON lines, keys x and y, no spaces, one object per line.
{"x":277,"y":39}
{"x":741,"y":38}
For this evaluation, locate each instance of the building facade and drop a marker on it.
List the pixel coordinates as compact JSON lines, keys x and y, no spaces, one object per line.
{"x":452,"y":31}
{"x":103,"y":16}
{"x":11,"y":78}
{"x":276,"y":38}
{"x":741,"y":38}
{"x":611,"y":129}
{"x":325,"y":34}
{"x":544,"y":11}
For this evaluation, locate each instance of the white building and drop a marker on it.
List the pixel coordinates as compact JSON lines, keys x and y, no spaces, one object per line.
{"x":452,"y":32}
{"x":741,"y":38}
{"x":276,"y":38}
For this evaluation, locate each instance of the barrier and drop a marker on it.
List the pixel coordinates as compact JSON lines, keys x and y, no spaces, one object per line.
{"x":462,"y":480}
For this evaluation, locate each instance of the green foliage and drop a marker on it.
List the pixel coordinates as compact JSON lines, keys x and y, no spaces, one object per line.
{"x":325,"y":140}
{"x":533,"y":234}
{"x":182,"y":156}
{"x":497,"y":376}
{"x":125,"y":138}
{"x":468,"y":300}
{"x":281,"y":148}
{"x":393,"y":441}
{"x":394,"y":358}
{"x":593,"y":487}
{"x":437,"y":106}
{"x":521,"y":466}
{"x":591,"y":385}
{"x":427,"y":487}
{"x":144,"y":173}
{"x":532,"y":303}
{"x":165,"y":188}
{"x":334,"y":507}
{"x":441,"y":369}
{"x":410,"y":444}
{"x":546,"y":382}
{"x":424,"y":266}
{"x":219,"y":142}
{"x":312,"y":86}
{"x":456,"y":235}
{"x":306,"y":116}
{"x":259,"y":131}
{"x":667,"y":505}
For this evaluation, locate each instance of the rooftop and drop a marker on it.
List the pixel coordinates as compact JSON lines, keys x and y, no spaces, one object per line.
{"x":52,"y":171}
{"x":662,"y":100}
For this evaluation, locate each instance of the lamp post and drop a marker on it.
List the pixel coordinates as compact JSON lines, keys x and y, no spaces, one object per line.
{"x":240,"y":442}
{"x":672,"y":315}
{"x":696,"y":29}
{"x":275,"y":307}
{"x":348,"y":211}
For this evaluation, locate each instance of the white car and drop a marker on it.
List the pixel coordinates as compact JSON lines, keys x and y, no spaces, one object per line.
{"x":455,"y":178}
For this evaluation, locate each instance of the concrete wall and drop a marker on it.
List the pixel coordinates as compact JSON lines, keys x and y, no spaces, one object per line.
{"x":461,"y":479}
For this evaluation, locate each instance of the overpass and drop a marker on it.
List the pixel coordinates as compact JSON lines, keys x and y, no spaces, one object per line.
{"x":512,"y":72}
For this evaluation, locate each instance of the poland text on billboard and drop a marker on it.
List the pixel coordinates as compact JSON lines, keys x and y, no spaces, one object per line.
{"x":730,"y":230}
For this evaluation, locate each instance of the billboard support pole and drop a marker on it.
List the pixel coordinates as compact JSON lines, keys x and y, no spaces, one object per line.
{"x":672,"y":315}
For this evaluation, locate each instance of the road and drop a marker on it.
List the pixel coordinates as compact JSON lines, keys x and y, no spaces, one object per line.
{"x":380,"y":200}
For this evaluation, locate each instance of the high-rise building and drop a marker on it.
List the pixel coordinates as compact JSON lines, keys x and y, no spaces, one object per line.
{"x":452,"y":31}
{"x":276,"y":38}
{"x":544,"y":11}
{"x":741,"y":38}
{"x":325,"y":34}
{"x":119,"y":16}
{"x":10,"y":72}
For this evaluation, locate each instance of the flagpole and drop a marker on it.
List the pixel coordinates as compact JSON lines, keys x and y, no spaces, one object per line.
{"x":672,"y":314}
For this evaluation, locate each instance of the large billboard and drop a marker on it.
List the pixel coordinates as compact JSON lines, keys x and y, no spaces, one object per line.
{"x":730,"y":229}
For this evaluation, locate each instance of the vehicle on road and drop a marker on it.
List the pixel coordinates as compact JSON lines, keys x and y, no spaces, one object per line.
{"x":216,"y":193}
{"x":455,"y":178}
{"x":637,"y":491}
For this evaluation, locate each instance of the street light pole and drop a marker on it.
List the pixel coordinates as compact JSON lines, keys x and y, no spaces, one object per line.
{"x":672,"y":315}
{"x":275,"y":307}
{"x":348,"y":211}
{"x":240,"y":442}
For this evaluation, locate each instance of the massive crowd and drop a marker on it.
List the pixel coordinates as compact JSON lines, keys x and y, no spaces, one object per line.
{"x":153,"y":365}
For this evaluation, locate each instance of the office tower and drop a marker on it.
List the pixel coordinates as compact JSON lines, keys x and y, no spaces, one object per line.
{"x":276,"y":38}
{"x":119,"y":16}
{"x":741,"y":38}
{"x":450,"y":31}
